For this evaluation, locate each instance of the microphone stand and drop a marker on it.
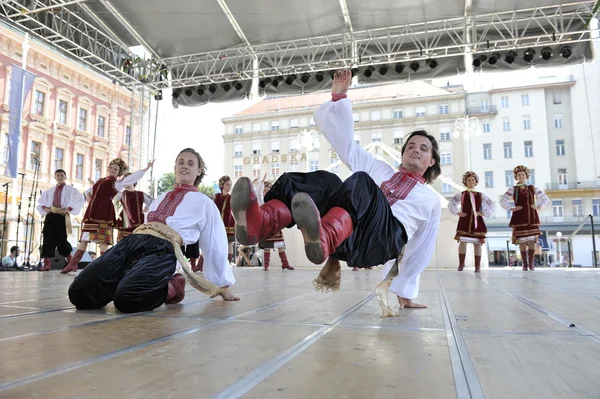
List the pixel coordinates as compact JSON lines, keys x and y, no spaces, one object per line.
{"x":19,"y":206}
{"x":34,"y":186}
{"x":42,"y":224}
{"x":5,"y":185}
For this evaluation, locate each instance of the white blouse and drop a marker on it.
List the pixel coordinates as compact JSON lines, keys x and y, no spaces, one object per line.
{"x":487,"y":205}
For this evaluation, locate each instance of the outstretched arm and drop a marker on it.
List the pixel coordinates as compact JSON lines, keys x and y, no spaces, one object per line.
{"x":334,"y":118}
{"x":132,"y":178}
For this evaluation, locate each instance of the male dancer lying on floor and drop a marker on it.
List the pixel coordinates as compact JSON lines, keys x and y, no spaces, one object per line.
{"x":366,"y":220}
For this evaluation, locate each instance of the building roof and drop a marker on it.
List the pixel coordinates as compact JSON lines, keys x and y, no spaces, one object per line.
{"x":362,"y":94}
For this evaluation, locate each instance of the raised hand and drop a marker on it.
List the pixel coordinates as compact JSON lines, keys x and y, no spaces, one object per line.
{"x":341,"y":82}
{"x":150,"y":164}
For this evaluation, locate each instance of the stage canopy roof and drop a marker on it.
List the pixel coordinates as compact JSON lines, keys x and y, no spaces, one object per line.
{"x":214,"y":48}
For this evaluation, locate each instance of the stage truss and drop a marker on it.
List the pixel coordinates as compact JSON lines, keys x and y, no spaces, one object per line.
{"x":75,"y":29}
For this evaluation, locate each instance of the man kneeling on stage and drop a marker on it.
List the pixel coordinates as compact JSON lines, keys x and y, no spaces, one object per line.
{"x":57,"y":204}
{"x":367,"y":220}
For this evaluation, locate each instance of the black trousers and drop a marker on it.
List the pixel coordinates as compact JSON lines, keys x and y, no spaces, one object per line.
{"x":378,"y":236}
{"x":134,"y":274}
{"x":55,"y":236}
{"x":191,"y":250}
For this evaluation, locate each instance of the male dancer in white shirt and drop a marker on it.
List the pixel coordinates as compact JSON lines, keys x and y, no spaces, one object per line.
{"x":368,"y":219}
{"x":57,"y":204}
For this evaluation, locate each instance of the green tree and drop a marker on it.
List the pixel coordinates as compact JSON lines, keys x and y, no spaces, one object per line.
{"x":166,"y":183}
{"x":208,"y":190}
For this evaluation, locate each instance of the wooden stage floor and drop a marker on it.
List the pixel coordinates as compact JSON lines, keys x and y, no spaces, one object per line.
{"x":504,"y":334}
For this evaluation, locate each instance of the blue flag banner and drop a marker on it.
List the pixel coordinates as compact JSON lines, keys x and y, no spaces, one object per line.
{"x":21,"y":82}
{"x":543,"y":241}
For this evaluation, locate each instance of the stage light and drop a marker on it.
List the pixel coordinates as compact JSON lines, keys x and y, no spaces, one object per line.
{"x":200,"y":90}
{"x":212,"y":88}
{"x":494,"y":58}
{"x":414,"y":66}
{"x":399,"y":67}
{"x":262,"y":84}
{"x":305,"y":77}
{"x":319,"y":76}
{"x":480,"y":59}
{"x":290,"y":79}
{"x":237,"y":85}
{"x":369,"y":72}
{"x":158,"y":96}
{"x":565,"y":51}
{"x":226,"y":86}
{"x":383,"y":70}
{"x":332,"y":74}
{"x":511,"y":56}
{"x":176,"y":93}
{"x":432,"y":63}
{"x":275,"y":82}
{"x":188,"y":92}
{"x":354,"y":71}
{"x":528,"y":55}
{"x":546,"y":53}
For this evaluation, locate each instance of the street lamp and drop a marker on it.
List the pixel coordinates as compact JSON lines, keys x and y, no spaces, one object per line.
{"x":310,"y":140}
{"x":467,"y":127}
{"x":558,"y":236}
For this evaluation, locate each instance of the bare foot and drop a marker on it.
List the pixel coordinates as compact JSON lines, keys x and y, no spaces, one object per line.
{"x":409,"y":304}
{"x":228,"y":296}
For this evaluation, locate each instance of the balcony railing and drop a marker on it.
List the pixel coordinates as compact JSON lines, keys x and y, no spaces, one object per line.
{"x":490,"y":109}
{"x":573,"y":185}
{"x":543,"y":220}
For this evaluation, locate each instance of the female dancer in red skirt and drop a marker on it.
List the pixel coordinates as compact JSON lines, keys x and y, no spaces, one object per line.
{"x":525,"y":222}
{"x":471,"y":228}
{"x":100,"y":219}
{"x":223,"y":202}
{"x":134,"y":204}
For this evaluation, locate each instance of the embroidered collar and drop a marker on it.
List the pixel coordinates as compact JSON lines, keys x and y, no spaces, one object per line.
{"x":414,"y":175}
{"x":184,"y":187}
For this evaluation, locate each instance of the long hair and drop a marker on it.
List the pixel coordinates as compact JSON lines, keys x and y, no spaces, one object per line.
{"x":201,"y":164}
{"x":434,"y":171}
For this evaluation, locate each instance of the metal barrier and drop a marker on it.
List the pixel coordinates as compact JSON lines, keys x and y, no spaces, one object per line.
{"x":570,"y":244}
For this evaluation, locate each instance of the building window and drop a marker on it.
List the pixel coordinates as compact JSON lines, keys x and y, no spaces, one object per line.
{"x":445,"y":136}
{"x":557,"y":208}
{"x":396,"y":164}
{"x":446,"y":158}
{"x":237,"y":171}
{"x":398,"y":114}
{"x":560,"y":147}
{"x":486,"y":127}
{"x":294,"y":145}
{"x":275,"y":125}
{"x":596,"y":206}
{"x":444,"y":109}
{"x":6,"y":150}
{"x":528,"y":147}
{"x":62,"y":111}
{"x":527,"y":122}
{"x":558,"y":121}
{"x":447,"y":188}
{"x":256,"y":171}
{"x":294,"y":166}
{"x":336,"y":168}
{"x":256,"y":127}
{"x":311,"y":121}
{"x":398,"y":135}
{"x":275,"y":169}
{"x":237,"y":150}
{"x":314,"y":166}
{"x":356,"y":117}
{"x":531,"y":179}
{"x":255,"y":148}
{"x":577,"y":207}
{"x":101,"y":122}
{"x":239,"y":129}
{"x":82,"y":119}
{"x":504,"y":102}
{"x":375,"y":115}
{"x":128,"y":135}
{"x":489,"y":179}
{"x":98,"y":169}
{"x":556,"y":98}
{"x":484,"y":106}
{"x":508,"y":178}
{"x":38,"y":103}
{"x":357,"y":138}
{"x":562,"y":177}
{"x":59,"y":154}
{"x":508,"y":150}
{"x":487,"y":151}
{"x":420,"y":111}
{"x":524,"y":99}
{"x":509,"y":212}
{"x":376,"y":137}
{"x":294,"y":123}
{"x":275,"y":146}
{"x":79,"y":166}
{"x":506,"y":124}
{"x":36,"y":149}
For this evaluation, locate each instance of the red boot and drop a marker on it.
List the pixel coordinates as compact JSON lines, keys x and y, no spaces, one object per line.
{"x":176,"y":289}
{"x":267,"y":258}
{"x":73,"y":263}
{"x":461,"y":262}
{"x":284,"y":261}
{"x":47,"y":265}
{"x":531,"y":259}
{"x":321,"y":236}
{"x":524,"y":259}
{"x":253,"y":222}
{"x":477,"y":263}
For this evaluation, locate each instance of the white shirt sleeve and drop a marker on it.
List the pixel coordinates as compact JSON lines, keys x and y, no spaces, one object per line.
{"x":131,"y":179}
{"x":541,"y":198}
{"x":75,"y":199}
{"x":147,"y":199}
{"x":507,"y":198}
{"x":336,"y":121}
{"x":488,"y":208}
{"x":455,"y":203}
{"x":417,"y":256}
{"x":45,"y":201}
